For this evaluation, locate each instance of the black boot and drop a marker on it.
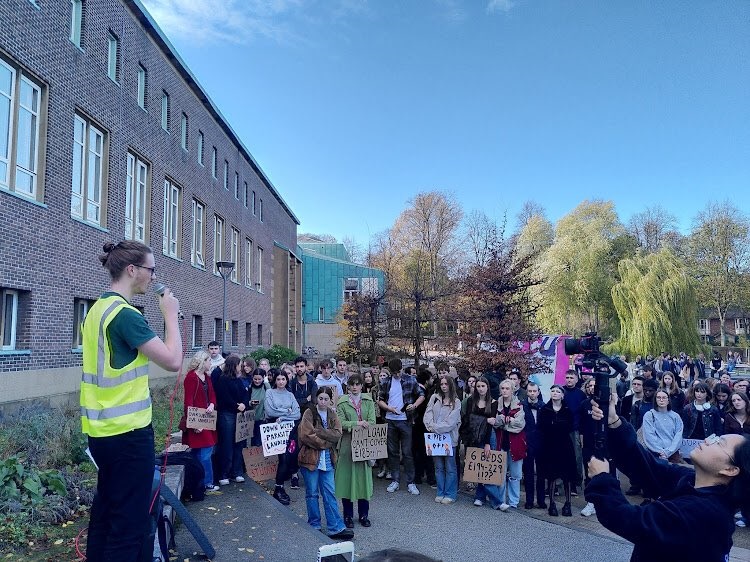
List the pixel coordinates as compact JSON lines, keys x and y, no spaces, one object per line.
{"x":566,"y":510}
{"x":281,"y":496}
{"x":349,"y":522}
{"x":552,"y":511}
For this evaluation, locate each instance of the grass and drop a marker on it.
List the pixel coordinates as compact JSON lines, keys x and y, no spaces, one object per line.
{"x":51,"y":438}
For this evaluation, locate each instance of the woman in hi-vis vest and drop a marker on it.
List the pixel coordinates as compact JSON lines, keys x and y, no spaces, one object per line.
{"x":116,"y":403}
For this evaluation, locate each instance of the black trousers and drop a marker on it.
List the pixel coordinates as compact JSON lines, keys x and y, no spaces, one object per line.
{"x":119,"y":520}
{"x":532,"y":478}
{"x":363,"y":508}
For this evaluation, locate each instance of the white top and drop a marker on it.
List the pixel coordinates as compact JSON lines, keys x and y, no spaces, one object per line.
{"x":333,"y":381}
{"x":396,"y":400}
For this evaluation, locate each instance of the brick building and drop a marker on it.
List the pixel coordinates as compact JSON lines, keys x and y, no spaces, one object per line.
{"x":105,"y":134}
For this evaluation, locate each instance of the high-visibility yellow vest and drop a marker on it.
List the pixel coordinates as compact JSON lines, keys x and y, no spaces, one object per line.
{"x":113,"y":401}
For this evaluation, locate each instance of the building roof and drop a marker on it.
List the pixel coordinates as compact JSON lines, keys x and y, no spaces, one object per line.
{"x":732,"y":313}
{"x":170,"y":52}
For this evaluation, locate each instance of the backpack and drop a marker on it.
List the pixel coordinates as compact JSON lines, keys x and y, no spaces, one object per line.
{"x":159,"y":526}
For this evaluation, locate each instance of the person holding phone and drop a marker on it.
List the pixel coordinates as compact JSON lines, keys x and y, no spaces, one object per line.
{"x":258,"y":388}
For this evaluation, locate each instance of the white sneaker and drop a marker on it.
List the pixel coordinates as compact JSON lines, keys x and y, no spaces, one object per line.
{"x":382,"y":472}
{"x":738,"y":515}
{"x":212,"y":488}
{"x":392,"y":487}
{"x":588,"y":510}
{"x":503,"y":507}
{"x":478,"y":503}
{"x":447,"y":501}
{"x":740,"y":523}
{"x":239,"y":479}
{"x":439,"y":499}
{"x":413,"y":490}
{"x":388,"y":475}
{"x":224,"y":482}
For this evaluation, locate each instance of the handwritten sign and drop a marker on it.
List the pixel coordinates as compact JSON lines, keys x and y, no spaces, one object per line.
{"x":259,"y":467}
{"x":244,"y":426}
{"x":274,"y":437}
{"x":370,"y":443}
{"x":438,"y":444}
{"x":687,"y":446}
{"x":484,"y":468}
{"x":200,"y":418}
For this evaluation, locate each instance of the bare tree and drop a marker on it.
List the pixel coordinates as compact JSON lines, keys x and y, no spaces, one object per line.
{"x":354,"y":249}
{"x":481,"y":236}
{"x":529,"y":209}
{"x":654,"y":228}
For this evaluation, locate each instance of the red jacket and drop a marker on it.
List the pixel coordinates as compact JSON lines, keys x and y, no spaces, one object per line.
{"x":194,"y":396}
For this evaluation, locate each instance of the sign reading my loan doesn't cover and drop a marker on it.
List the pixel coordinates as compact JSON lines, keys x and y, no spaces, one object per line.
{"x":370,"y":443}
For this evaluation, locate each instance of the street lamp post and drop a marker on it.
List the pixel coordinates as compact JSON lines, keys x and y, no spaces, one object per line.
{"x":225,"y":270}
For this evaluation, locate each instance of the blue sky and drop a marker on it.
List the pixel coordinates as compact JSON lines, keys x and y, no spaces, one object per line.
{"x":351,"y":107}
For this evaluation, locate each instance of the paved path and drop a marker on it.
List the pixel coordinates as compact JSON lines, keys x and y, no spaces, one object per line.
{"x":244,"y":523}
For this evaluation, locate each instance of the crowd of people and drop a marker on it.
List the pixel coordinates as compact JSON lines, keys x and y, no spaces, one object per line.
{"x":548,"y":441}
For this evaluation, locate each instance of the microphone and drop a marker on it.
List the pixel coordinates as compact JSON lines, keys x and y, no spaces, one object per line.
{"x":159,"y":289}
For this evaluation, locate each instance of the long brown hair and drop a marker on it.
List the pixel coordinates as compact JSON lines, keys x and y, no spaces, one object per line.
{"x":229,"y":368}
{"x":451,"y":390}
{"x":487,"y":397}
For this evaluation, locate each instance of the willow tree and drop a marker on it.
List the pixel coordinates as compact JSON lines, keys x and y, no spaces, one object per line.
{"x":656,"y":303}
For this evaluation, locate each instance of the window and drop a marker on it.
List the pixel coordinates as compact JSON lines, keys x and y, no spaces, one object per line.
{"x":235,"y":333}
{"x":739,"y":325}
{"x":248,"y":263}
{"x":260,"y":210}
{"x":351,"y":288}
{"x":213,"y":163}
{"x":397,"y":323}
{"x":80,"y":310}
{"x":184,"y":131}
{"x":237,"y":186}
{"x":259,"y":284}
{"x":253,"y":203}
{"x":136,"y":198}
{"x":245,"y":192}
{"x":142,"y":85}
{"x":218,"y":241}
{"x":87,"y":177}
{"x":200,"y":148}
{"x":260,"y":334}
{"x":113,"y":57}
{"x":172,"y":226}
{"x":9,"y":318}
{"x":199,"y":230}
{"x":248,"y":334}
{"x":234,"y":254}
{"x":197,"y":331}
{"x":703,"y":326}
{"x":321,"y":314}
{"x":226,"y":175}
{"x":76,"y":22}
{"x":165,"y":111}
{"x":217,"y":329}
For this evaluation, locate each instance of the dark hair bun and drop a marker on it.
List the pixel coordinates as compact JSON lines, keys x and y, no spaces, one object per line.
{"x":108,"y":247}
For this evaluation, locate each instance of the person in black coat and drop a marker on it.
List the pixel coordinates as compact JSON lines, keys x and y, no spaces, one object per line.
{"x":532,"y":472}
{"x":699,"y":503}
{"x":558,"y":458}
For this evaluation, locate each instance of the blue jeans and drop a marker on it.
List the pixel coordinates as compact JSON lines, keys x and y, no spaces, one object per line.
{"x":321,"y":483}
{"x":513,"y":482}
{"x":229,"y":452}
{"x":489,"y":491}
{"x":203,"y":456}
{"x":446,"y":475}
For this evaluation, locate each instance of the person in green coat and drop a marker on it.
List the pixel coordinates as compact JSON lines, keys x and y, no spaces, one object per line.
{"x":354,"y":479}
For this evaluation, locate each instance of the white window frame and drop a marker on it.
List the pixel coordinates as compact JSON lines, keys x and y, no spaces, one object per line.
{"x":350,"y":293}
{"x":197,"y":256}
{"x":226,"y":175}
{"x":200,"y":147}
{"x":76,"y":22}
{"x":9,"y":99}
{"x":321,"y":314}
{"x":218,"y":242}
{"x":184,"y":131}
{"x":165,"y":110}
{"x":142,"y":86}
{"x":12,"y":295}
{"x":81,"y":308}
{"x":33,"y":142}
{"x":739,"y":325}
{"x":253,"y":202}
{"x":137,"y":182}
{"x":244,"y":184}
{"x":259,"y":269}
{"x":171,"y":216}
{"x":237,"y":186}
{"x":87,"y":177}
{"x":703,"y":325}
{"x":113,"y":57}
{"x":248,"y":263}
{"x":196,"y":329}
{"x":260,"y":210}
{"x":234,"y":254}
{"x":214,"y":163}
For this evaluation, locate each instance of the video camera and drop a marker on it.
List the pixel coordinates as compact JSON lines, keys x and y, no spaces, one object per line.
{"x":602,"y":366}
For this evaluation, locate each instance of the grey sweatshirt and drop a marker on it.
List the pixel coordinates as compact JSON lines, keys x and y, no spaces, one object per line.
{"x":281,"y":404}
{"x":662,"y":431}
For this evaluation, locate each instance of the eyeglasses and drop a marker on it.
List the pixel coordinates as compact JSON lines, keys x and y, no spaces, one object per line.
{"x":151,"y":269}
{"x":714,"y":439}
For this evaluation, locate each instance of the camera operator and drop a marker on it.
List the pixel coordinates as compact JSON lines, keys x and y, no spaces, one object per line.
{"x":693,"y":503}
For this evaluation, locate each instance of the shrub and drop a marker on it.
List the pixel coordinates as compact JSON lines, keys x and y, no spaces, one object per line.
{"x":276,"y":355}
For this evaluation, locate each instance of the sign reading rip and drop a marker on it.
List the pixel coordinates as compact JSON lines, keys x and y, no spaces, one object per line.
{"x":200,"y":418}
{"x":370,"y":443}
{"x":484,"y":468}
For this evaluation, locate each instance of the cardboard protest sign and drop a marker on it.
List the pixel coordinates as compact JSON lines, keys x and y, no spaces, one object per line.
{"x":484,"y":468}
{"x":259,"y":467}
{"x":687,"y":446}
{"x":370,"y":443}
{"x":438,"y":444}
{"x":200,"y":418}
{"x":274,"y":437}
{"x":244,"y":426}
